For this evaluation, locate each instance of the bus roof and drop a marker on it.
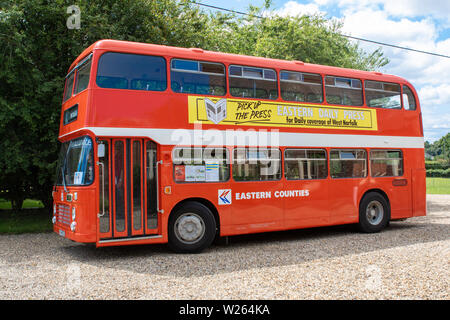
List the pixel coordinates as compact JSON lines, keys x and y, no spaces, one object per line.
{"x":200,"y":54}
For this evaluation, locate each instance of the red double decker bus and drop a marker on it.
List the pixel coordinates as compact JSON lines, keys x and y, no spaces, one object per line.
{"x":173,"y":145}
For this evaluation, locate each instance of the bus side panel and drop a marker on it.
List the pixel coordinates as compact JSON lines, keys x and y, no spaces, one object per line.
{"x":419,"y":192}
{"x":344,"y":199}
{"x":399,"y":196}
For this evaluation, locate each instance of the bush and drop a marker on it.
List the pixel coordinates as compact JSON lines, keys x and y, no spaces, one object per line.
{"x":438,"y":173}
{"x":436,"y":165}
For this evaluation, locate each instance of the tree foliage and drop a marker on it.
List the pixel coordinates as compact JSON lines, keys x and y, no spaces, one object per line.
{"x":311,"y":39}
{"x":38,"y":48}
{"x":439,"y":150}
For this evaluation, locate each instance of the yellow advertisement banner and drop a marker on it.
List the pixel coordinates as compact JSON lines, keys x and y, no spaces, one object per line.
{"x":227,"y":111}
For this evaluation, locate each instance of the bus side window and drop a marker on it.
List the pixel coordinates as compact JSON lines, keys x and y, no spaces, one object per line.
{"x":190,"y":76}
{"x":200,"y":164}
{"x":83,"y":74}
{"x":386,"y":163}
{"x":69,"y":85}
{"x":297,"y":86}
{"x":409,"y":102}
{"x":382,"y":94}
{"x":131,"y":71}
{"x":346,"y":90}
{"x":348,"y":163}
{"x":250,"y":82}
{"x":252,"y":164}
{"x":305,"y":164}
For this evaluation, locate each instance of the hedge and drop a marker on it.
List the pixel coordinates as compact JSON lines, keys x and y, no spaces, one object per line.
{"x":437,"y":165}
{"x":438,"y":173}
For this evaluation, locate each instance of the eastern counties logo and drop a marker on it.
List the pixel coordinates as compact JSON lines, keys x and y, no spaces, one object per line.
{"x":216,"y":112}
{"x":224,"y":196}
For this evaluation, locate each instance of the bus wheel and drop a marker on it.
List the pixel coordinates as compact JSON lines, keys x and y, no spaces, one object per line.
{"x":192,"y":228}
{"x":374,"y":213}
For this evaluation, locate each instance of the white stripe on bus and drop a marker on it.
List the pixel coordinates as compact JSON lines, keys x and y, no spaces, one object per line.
{"x":258,"y":138}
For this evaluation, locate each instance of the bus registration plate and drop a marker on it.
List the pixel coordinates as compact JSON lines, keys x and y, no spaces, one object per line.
{"x":62,"y":233}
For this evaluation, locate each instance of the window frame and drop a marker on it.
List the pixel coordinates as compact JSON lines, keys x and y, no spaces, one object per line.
{"x":129,"y":82}
{"x":257,"y":149}
{"x":403,"y":86}
{"x":75,"y":78}
{"x":73,"y":71}
{"x":85,"y":61}
{"x":385,"y":91}
{"x":226,"y":162}
{"x":306,"y":149}
{"x":276,"y":80}
{"x":325,"y":85}
{"x":198,"y":71}
{"x":91,"y":153}
{"x":322,"y":82}
{"x":253,"y":78}
{"x":348,"y":149}
{"x":169,"y":70}
{"x":387,"y":150}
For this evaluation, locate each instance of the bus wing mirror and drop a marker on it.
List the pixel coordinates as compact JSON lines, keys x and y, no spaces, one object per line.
{"x":101,"y":150}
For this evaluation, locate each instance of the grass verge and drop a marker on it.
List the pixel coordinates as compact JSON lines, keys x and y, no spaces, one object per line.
{"x":438,"y":185}
{"x":27,"y":204}
{"x":25,"y":221}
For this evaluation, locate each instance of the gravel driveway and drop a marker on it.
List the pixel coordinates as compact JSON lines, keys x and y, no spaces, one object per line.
{"x":409,"y":260}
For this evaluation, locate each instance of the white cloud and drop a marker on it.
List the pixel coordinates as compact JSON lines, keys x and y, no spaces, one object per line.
{"x":408,"y":23}
{"x":377,"y":25}
{"x":293,"y":8}
{"x":436,"y":95}
{"x":436,"y":9}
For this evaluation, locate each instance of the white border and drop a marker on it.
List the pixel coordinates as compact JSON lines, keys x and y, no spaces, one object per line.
{"x":272,"y":138}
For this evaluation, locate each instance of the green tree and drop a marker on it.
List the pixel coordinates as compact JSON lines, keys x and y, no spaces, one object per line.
{"x":440,"y":149}
{"x":38,"y":48}
{"x":311,"y":39}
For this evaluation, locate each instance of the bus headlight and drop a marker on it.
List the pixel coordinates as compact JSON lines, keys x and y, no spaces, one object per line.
{"x":54,"y":208}
{"x":54,"y":219}
{"x":73,"y":214}
{"x":73,"y":225}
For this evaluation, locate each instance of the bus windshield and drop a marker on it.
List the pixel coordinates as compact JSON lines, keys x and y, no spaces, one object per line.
{"x":76,"y":163}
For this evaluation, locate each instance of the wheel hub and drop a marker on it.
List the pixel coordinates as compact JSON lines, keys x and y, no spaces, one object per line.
{"x":189,"y":228}
{"x":374,"y":212}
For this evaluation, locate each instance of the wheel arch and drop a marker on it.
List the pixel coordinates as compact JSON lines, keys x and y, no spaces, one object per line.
{"x":206,"y":203}
{"x":380,"y":191}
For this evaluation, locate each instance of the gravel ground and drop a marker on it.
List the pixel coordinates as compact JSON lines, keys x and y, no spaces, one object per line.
{"x":409,"y":260}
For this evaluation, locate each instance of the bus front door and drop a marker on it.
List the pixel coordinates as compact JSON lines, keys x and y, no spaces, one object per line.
{"x":127,"y":189}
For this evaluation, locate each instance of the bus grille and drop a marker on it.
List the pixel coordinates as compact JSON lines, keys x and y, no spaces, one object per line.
{"x":63,"y":214}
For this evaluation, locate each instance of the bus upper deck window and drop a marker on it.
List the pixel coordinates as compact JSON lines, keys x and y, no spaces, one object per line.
{"x":382,"y":95}
{"x":298,"y":86}
{"x":69,"y":85}
{"x":132,"y":71}
{"x":409,"y":102}
{"x":83,"y":74}
{"x":343,"y":91}
{"x":190,"y":76}
{"x":251,"y":82}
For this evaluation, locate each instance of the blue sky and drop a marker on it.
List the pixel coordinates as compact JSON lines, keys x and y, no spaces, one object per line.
{"x":418,"y":24}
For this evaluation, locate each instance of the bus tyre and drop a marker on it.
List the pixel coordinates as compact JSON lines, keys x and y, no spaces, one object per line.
{"x":374,"y":213}
{"x":192,"y":228}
